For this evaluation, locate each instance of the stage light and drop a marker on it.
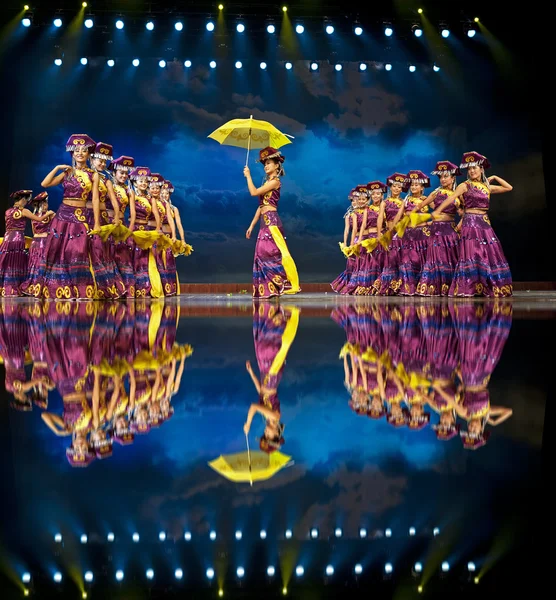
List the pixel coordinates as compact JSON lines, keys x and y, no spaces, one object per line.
{"x":88,"y":576}
{"x":284,"y":8}
{"x":210,"y":26}
{"x":388,"y":533}
{"x":135,"y":537}
{"x":338,"y":532}
{"x":299,"y":570}
{"x":288,"y":66}
{"x":271,"y":28}
{"x":110,"y":537}
{"x":363,"y":531}
{"x":212,"y":65}
{"x":58,"y":22}
{"x":420,"y":589}
{"x":220,"y":7}
{"x":210,"y":573}
{"x":58,"y":63}
{"x":263,"y":534}
{"x":299,"y":29}
{"x":162,"y":536}
{"x":412,"y":531}
{"x":26,"y":7}
{"x":420,"y":11}
{"x":314,"y":66}
{"x":57,"y":577}
{"x":178,"y":26}
{"x":445,"y":567}
{"x":84,"y":536}
{"x":238,"y":64}
{"x":119,"y":24}
{"x":111,"y":62}
{"x":358,"y":569}
{"x":329,"y":29}
{"x":388,"y":568}
{"x":271,"y":571}
{"x":149,"y":25}
{"x":220,"y":593}
{"x":417,"y":31}
{"x":26,"y":577}
{"x":162,"y":63}
{"x":88,"y":23}
{"x":338,"y":67}
{"x":288,"y":534}
{"x":445,"y":33}
{"x":471,"y":33}
{"x":471,"y":567}
{"x":187,"y":534}
{"x":314,"y":533}
{"x":135,"y":62}
{"x":240,"y":572}
{"x":263,"y":66}
{"x":412,"y":68}
{"x":178,"y":573}
{"x":388,"y":31}
{"x":436,"y":531}
{"x":119,"y":575}
{"x":330,"y":570}
{"x":476,"y":580}
{"x":418,"y":567}
{"x":239,"y":535}
{"x":149,"y":573}
{"x":212,"y":534}
{"x":284,"y":591}
{"x":435,"y":68}
{"x":83,"y":61}
{"x":26,"y":22}
{"x":58,"y":536}
{"x":358,"y":30}
{"x":25,"y":592}
{"x":240,"y":27}
{"x":84,"y":4}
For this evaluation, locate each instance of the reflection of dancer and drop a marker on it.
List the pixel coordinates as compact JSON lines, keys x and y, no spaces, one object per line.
{"x":274,"y":271}
{"x":482,"y":269}
{"x":274,"y":330}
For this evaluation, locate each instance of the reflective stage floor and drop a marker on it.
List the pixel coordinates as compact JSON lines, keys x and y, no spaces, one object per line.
{"x":393,"y":449}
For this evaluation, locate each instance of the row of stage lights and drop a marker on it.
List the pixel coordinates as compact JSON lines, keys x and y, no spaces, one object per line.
{"x":313,"y":66}
{"x":288,"y":534}
{"x":88,"y":576}
{"x":417,"y":30}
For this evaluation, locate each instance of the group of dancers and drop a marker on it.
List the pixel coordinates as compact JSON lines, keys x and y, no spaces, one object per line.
{"x":91,"y":247}
{"x":413,"y":246}
{"x":400,"y":361}
{"x":116,"y":368}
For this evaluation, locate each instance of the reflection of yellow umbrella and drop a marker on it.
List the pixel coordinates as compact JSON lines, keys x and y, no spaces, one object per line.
{"x":250,"y":466}
{"x":250,"y":133}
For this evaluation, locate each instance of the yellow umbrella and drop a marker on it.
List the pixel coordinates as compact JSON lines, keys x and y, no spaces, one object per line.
{"x":250,"y":133}
{"x":249,"y":466}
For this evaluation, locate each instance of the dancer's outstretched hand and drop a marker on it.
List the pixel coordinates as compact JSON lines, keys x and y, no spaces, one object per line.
{"x":248,"y":233}
{"x":246,"y":172}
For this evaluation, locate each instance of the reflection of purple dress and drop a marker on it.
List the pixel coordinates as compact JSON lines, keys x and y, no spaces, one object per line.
{"x":413,"y":251}
{"x":269,"y":324}
{"x":13,"y":255}
{"x":274,"y":271}
{"x":482,"y":269}
{"x":13,"y":340}
{"x":442,"y":251}
{"x":442,"y":349}
{"x":36,"y":251}
{"x":390,"y":281}
{"x":65,"y":270}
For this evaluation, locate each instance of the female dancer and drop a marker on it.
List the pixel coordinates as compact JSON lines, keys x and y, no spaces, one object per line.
{"x":165,"y":261}
{"x":443,"y":244}
{"x":65,"y":269}
{"x":123,"y":253}
{"x":482,"y":268}
{"x":274,"y":271}
{"x":147,"y":277}
{"x":342,"y":281}
{"x":414,"y":238}
{"x":389,"y":215}
{"x":14,"y":257}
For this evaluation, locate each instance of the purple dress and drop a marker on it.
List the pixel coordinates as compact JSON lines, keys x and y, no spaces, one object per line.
{"x":123,"y":250}
{"x":165,"y":261}
{"x":274,"y":271}
{"x":342,"y":281}
{"x":390,"y":282}
{"x":368,"y":265}
{"x":144,"y":262}
{"x":442,"y":251}
{"x":413,"y":250}
{"x":41,"y":230}
{"x":65,"y":269}
{"x":14,"y":257}
{"x":482,"y":269}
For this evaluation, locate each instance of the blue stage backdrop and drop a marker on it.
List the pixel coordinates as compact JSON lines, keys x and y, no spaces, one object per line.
{"x":350,"y":127}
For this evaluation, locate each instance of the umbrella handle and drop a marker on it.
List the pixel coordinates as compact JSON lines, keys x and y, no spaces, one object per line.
{"x":248,"y":143}
{"x":249,"y":455}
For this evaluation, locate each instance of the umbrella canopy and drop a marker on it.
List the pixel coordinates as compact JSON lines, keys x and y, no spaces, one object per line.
{"x":249,"y":466}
